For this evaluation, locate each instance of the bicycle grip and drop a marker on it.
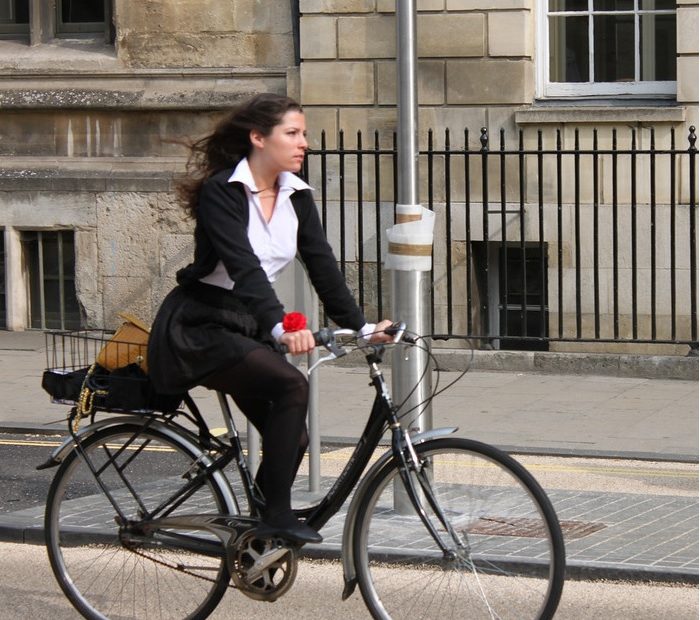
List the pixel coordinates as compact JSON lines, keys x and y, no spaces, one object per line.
{"x":321,"y":337}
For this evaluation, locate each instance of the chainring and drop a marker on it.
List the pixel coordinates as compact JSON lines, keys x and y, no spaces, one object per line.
{"x":266,"y":583}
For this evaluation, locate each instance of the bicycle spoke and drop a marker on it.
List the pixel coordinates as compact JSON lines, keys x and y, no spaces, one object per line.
{"x":505,"y":557}
{"x":105,"y":569}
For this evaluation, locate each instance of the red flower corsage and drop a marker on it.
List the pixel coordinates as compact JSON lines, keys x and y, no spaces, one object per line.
{"x":293,"y":322}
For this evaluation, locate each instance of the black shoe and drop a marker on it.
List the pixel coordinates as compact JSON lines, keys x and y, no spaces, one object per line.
{"x":295,"y":532}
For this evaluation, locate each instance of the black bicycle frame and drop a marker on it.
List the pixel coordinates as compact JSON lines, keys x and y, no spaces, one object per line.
{"x":382,"y":416}
{"x":318,"y":515}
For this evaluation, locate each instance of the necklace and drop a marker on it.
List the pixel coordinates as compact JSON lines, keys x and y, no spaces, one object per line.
{"x":274,"y":187}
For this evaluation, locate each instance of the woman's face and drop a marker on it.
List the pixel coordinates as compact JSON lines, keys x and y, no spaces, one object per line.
{"x":284,"y":148}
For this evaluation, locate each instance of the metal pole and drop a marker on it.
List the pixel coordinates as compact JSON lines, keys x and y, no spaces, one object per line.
{"x":253,"y":444}
{"x":410,"y":289}
{"x":407,"y":102}
{"x":313,"y":415}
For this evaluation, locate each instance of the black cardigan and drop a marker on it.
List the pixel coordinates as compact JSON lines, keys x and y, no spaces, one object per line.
{"x":221,"y":233}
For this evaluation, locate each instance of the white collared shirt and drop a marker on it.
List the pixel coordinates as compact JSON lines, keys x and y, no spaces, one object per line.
{"x":274,"y":242}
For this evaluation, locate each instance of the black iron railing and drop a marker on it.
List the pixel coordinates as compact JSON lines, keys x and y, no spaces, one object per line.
{"x":563,"y":237}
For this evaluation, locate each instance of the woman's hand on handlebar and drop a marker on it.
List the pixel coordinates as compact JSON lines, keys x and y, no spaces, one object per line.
{"x":379,"y":334}
{"x":298,"y":342}
{"x":303,"y":340}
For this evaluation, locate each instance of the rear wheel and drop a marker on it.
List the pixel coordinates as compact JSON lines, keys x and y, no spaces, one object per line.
{"x":109,"y":569}
{"x":504,"y":551}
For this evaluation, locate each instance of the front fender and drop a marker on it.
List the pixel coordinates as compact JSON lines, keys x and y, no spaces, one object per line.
{"x":347,"y":553}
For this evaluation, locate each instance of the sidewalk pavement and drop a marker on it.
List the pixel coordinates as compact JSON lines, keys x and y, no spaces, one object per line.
{"x":649,"y":505}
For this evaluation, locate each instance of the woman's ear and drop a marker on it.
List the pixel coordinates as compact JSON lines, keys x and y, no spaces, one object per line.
{"x":256,"y":138}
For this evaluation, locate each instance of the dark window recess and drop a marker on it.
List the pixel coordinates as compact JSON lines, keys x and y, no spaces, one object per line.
{"x":512,"y":291}
{"x":14,"y":11}
{"x":84,"y":17}
{"x":14,"y":18}
{"x":523,"y":310}
{"x":90,"y":19}
{"x":50,"y":260}
{"x":82,"y":11}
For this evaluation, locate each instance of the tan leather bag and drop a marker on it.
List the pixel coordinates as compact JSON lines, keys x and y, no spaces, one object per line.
{"x":127,"y":346}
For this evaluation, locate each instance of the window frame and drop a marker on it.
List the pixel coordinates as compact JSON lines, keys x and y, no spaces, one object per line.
{"x":45,"y":25}
{"x":38,"y":313}
{"x":11,"y":30}
{"x":69,"y":29}
{"x":547,"y":89}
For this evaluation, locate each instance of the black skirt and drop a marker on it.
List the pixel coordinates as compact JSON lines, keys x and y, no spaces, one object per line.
{"x":199,"y":330}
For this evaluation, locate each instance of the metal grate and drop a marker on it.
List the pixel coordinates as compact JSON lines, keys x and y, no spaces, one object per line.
{"x":525,"y":527}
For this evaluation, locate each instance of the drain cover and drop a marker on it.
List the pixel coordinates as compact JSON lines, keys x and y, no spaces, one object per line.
{"x":529,"y":528}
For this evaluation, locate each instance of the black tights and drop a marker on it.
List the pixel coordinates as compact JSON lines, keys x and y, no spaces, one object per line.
{"x":273,"y":395}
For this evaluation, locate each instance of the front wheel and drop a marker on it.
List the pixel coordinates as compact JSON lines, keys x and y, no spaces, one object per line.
{"x":502,"y":553}
{"x":107,"y":563}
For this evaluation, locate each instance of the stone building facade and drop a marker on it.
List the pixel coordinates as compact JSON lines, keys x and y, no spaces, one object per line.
{"x":89,"y":129}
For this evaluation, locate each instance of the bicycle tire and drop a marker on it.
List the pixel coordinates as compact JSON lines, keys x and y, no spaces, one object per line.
{"x":509,"y":562}
{"x":106,"y":574}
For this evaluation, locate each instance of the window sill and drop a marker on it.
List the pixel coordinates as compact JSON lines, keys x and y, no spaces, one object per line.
{"x":60,"y":54}
{"x":89,"y":174}
{"x":552,"y":113}
{"x":85,"y":74}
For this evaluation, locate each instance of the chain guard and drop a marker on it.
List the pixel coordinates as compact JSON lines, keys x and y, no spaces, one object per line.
{"x":270,"y":581}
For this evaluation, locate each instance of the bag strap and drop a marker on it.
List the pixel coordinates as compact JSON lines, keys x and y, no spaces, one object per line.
{"x":86,"y":401}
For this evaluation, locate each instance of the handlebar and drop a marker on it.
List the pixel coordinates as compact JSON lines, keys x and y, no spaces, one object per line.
{"x":328,"y":338}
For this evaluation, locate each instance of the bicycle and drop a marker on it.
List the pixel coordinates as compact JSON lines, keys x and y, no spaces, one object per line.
{"x":142,"y":520}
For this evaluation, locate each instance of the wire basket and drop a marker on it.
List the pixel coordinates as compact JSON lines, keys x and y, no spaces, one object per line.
{"x":73,"y":350}
{"x":72,"y":367}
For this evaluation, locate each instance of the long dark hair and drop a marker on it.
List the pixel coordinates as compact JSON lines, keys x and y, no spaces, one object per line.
{"x":229,"y":143}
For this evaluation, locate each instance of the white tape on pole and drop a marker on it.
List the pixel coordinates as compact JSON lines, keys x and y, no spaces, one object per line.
{"x":410,"y":240}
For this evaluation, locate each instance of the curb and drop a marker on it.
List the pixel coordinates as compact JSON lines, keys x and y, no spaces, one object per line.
{"x":13,"y":532}
{"x":345,"y":442}
{"x":611,"y":365}
{"x":579,"y":571}
{"x":25,"y":428}
{"x":588,"y":571}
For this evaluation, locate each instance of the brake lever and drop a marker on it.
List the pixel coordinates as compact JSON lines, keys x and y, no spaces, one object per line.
{"x":334,"y":349}
{"x":322,"y":360}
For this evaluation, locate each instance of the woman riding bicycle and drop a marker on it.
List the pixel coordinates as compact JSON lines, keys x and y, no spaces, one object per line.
{"x":222,"y":325}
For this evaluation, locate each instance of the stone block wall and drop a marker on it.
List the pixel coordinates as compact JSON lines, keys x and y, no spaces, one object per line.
{"x":472,"y":56}
{"x":204,"y":33}
{"x":91,"y":135}
{"x":87,"y":130}
{"x":476,"y":68}
{"x":129,"y":235}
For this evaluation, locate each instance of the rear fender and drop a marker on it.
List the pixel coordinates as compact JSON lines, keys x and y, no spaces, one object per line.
{"x":179,"y":435}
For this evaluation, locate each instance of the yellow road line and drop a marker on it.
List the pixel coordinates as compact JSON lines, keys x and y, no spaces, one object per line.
{"x":334,"y":456}
{"x":578,"y":469}
{"x":53,"y":444}
{"x":21,"y":442}
{"x":618,"y":471}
